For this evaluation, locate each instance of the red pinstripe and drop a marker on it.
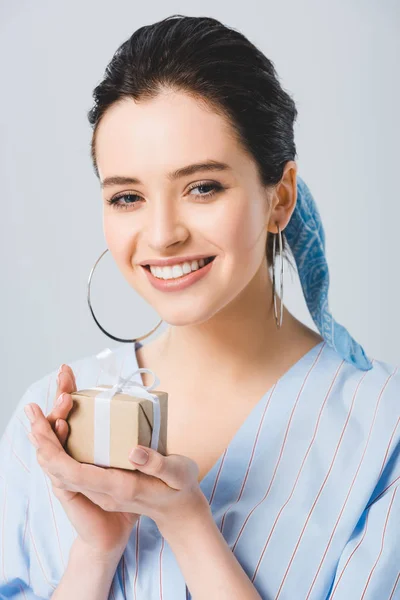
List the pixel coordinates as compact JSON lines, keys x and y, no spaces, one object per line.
{"x":300,"y":470}
{"x":23,"y":537}
{"x":395,"y":585}
{"x":137,"y":536}
{"x":282,"y":448}
{"x":212,"y":494}
{"x":352,"y":483}
{"x":137,"y":542}
{"x":367,"y":507}
{"x":381,"y":550}
{"x":388,"y":448}
{"x":350,"y":557}
{"x":136,"y":555}
{"x":54,"y":517}
{"x":6,"y":436}
{"x":353,"y":552}
{"x":383,"y":491}
{"x":22,"y":423}
{"x":320,"y":490}
{"x":383,"y":464}
{"x":217,"y":477}
{"x":251,"y":457}
{"x":39,"y":561}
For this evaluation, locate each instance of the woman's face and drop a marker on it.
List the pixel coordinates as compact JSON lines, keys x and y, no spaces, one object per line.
{"x":160,"y":216}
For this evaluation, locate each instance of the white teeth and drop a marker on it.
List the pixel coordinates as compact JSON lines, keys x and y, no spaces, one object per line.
{"x":166,"y":272}
{"x":186,"y":268}
{"x":175,"y":271}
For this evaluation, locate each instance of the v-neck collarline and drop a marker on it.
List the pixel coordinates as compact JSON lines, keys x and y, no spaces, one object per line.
{"x":286,"y":375}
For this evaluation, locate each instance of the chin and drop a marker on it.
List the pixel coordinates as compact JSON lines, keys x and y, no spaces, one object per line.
{"x":183,"y":319}
{"x":191,"y":314}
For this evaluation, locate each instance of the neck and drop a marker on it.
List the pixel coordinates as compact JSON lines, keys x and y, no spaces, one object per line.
{"x":238,"y":340}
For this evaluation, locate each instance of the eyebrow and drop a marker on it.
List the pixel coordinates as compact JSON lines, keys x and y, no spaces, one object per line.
{"x":209,"y":165}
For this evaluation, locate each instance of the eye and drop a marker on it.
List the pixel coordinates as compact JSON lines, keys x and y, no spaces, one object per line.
{"x":115,"y":202}
{"x":215,"y":188}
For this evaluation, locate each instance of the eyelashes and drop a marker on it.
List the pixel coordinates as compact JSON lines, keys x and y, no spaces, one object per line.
{"x":115,"y":201}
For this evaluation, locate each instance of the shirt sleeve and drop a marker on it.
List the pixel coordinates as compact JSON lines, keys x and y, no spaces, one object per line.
{"x":15,"y":472}
{"x":369,"y":566}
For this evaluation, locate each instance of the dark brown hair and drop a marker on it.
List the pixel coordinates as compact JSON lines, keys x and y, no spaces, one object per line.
{"x":216,"y":65}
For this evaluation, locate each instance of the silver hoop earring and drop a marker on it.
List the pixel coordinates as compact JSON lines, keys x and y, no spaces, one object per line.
{"x":279,"y":234}
{"x":97,"y":323}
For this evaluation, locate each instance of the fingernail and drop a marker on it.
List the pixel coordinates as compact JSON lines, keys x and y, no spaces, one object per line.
{"x":59,"y":378}
{"x":29,"y":413}
{"x":60,"y":399}
{"x":139,"y":456}
{"x":32,"y":439}
{"x":60,"y":369}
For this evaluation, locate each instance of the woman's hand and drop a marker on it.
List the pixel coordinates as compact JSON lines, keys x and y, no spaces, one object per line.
{"x":103,"y":504}
{"x":103,"y":532}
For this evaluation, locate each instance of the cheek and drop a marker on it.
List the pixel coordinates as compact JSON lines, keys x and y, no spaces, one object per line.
{"x":242,"y":233}
{"x":120,"y":237}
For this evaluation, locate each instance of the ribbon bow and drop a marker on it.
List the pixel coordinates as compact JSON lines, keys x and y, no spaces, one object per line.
{"x":102,"y":405}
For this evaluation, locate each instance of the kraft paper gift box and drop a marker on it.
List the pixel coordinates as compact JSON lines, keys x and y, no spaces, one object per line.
{"x":107,"y":421}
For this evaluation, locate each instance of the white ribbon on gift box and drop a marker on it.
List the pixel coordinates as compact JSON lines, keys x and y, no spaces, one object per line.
{"x":102,"y":405}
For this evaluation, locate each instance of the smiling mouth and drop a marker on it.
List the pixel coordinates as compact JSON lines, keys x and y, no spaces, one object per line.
{"x":206,"y":262}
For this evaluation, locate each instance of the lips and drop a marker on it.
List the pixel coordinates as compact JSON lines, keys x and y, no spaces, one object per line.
{"x":177,"y":284}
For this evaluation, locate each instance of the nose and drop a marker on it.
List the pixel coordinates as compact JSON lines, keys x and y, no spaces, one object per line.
{"x":164,"y":227}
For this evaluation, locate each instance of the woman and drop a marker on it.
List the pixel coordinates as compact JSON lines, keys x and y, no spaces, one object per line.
{"x":281,"y":473}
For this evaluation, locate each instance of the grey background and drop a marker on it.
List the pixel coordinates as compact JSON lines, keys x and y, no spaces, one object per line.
{"x":340,"y":63}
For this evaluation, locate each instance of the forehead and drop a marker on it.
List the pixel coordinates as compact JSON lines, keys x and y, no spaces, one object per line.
{"x":169,"y":130}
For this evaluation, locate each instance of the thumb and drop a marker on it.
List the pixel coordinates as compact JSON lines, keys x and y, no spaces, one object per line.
{"x":177,"y":471}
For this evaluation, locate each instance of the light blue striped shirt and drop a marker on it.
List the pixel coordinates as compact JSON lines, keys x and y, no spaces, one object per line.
{"x":306,"y":493}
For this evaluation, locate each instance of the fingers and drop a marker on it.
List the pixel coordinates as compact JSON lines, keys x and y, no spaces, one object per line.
{"x":41,"y":426}
{"x":52,"y":457}
{"x":66,"y":381}
{"x":70,"y":371}
{"x":66,"y":385}
{"x":50,"y":453}
{"x":60,"y":464}
{"x":176,"y":470}
{"x":61,"y":430}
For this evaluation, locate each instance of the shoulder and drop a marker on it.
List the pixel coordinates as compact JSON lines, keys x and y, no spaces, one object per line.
{"x":379,"y":385}
{"x":382,"y":389}
{"x":366,"y":407}
{"x":356,"y":415}
{"x":364,"y":404}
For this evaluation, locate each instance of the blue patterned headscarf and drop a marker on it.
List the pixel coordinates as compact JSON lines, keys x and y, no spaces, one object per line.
{"x":306,"y":238}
